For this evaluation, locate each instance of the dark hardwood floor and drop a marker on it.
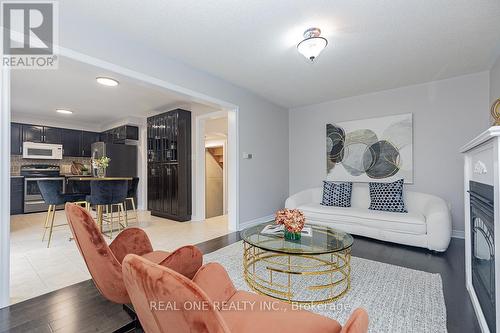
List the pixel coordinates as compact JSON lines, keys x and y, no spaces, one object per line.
{"x":80,"y":308}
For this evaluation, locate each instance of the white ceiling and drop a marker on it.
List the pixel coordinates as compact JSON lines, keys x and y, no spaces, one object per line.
{"x":373,"y":45}
{"x":36,"y":94}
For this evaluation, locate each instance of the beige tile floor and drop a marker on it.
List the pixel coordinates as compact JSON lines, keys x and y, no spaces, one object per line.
{"x":36,"y":269}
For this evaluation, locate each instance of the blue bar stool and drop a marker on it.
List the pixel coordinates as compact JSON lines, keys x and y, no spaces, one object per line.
{"x":106,"y":194}
{"x":131,"y":194}
{"x":53,"y":196}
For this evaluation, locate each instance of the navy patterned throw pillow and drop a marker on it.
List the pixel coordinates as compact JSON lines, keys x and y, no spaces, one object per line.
{"x":387,"y":197}
{"x":337,"y":194}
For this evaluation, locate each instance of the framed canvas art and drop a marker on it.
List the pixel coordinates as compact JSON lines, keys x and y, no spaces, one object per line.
{"x":370,"y":150}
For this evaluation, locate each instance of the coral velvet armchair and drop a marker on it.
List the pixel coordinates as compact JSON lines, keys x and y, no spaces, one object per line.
{"x":166,"y":301}
{"x":105,"y":262}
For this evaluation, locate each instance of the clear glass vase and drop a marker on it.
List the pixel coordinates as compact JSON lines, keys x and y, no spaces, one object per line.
{"x":293,"y":236}
{"x":101,"y":172}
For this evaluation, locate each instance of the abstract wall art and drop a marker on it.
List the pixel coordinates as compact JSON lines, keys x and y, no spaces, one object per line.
{"x":376,"y":149}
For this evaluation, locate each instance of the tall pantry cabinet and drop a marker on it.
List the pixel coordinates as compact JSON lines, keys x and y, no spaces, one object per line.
{"x":169,"y":165}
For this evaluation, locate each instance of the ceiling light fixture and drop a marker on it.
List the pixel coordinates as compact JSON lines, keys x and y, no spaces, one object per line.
{"x":107,"y":81}
{"x":64,"y":111}
{"x":312,"y":44}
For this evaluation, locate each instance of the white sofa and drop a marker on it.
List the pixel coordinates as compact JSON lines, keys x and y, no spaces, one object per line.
{"x":427,"y":223}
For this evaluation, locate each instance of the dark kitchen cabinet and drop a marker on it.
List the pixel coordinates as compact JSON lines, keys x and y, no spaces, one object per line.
{"x":120,"y":134}
{"x":16,"y":139}
{"x":169,"y":165}
{"x":35,"y":133}
{"x":32,"y":133}
{"x":87,"y":139}
{"x":52,"y":135}
{"x":71,"y":142}
{"x":16,"y":195}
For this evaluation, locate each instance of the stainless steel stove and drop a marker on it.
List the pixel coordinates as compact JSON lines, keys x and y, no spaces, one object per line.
{"x":33,"y":201}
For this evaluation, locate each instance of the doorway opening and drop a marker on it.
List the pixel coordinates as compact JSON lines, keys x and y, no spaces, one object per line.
{"x":216,"y":180}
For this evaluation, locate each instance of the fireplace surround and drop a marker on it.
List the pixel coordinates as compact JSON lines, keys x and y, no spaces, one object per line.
{"x":482,"y":250}
{"x":482,"y":245}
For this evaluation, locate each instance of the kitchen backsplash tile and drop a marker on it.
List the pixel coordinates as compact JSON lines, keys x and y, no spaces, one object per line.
{"x":64,"y":164}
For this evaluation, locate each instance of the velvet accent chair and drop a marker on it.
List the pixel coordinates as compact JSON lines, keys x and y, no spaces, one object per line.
{"x":104,"y":262}
{"x":53,"y":197}
{"x":160,"y":296}
{"x":106,"y":195}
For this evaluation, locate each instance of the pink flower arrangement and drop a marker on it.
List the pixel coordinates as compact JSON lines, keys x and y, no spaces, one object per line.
{"x":292,"y":219}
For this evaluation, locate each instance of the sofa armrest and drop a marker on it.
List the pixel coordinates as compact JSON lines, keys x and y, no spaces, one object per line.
{"x":300,"y":198}
{"x":438,"y":220}
{"x":130,"y":240}
{"x":213,"y":279}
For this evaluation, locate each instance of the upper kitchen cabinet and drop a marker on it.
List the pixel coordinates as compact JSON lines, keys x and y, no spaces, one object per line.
{"x":32,"y":133}
{"x":71,"y":142}
{"x":16,"y":139}
{"x":88,"y":138}
{"x":35,"y":133}
{"x":120,"y":134}
{"x":52,"y":135}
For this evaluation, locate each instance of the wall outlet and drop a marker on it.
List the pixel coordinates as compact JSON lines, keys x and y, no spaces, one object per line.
{"x":247,"y":156}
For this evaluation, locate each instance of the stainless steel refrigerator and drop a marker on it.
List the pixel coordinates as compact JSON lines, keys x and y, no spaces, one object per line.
{"x":123,"y":158}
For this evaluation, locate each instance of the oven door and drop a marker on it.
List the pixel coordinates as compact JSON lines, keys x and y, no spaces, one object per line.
{"x":33,"y":200}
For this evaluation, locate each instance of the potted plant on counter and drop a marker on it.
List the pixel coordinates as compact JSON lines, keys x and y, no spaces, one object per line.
{"x":100,"y":164}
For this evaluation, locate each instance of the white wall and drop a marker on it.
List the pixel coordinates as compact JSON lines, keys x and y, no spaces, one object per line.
{"x":263,"y":126}
{"x":446,"y":115}
{"x":495,"y":81}
{"x":216,"y":126}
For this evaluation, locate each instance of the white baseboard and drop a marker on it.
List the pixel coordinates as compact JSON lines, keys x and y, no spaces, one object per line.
{"x":458,"y":234}
{"x":254,"y":222}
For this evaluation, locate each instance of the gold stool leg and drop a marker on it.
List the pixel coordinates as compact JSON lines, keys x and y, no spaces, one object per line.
{"x":51,"y":224}
{"x":111,"y":221}
{"x":46,"y":222}
{"x":99,"y":216}
{"x":132,"y":200}
{"x":123,"y":213}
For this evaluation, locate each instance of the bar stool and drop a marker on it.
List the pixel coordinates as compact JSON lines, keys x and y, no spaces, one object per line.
{"x":53,"y":196}
{"x":131,"y":194}
{"x":106,"y":194}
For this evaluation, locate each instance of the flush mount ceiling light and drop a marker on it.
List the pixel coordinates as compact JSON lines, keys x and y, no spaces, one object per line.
{"x":107,"y":81}
{"x":312,"y":44}
{"x":64,"y":111}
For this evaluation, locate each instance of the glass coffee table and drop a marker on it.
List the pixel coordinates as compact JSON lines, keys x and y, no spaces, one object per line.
{"x":312,"y":270}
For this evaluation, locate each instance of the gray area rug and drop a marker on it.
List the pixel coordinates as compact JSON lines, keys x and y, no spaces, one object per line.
{"x":397,"y":299}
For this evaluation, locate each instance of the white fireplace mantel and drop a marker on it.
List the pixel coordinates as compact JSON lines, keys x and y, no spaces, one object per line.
{"x":482,"y":165}
{"x":487,"y":135}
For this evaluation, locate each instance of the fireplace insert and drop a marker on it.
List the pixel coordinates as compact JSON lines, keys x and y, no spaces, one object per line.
{"x":483,"y":248}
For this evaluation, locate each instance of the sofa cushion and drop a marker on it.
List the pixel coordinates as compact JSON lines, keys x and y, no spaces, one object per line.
{"x":387,"y":196}
{"x":337,"y":194}
{"x":411,"y":223}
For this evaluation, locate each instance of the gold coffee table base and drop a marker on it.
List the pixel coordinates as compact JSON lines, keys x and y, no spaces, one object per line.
{"x":285,"y":275}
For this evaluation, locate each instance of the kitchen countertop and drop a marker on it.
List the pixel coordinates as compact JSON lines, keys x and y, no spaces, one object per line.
{"x":71,"y":175}
{"x":16,"y":176}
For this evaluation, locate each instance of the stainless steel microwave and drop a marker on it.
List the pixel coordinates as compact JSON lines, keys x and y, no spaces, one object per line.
{"x":42,"y":151}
